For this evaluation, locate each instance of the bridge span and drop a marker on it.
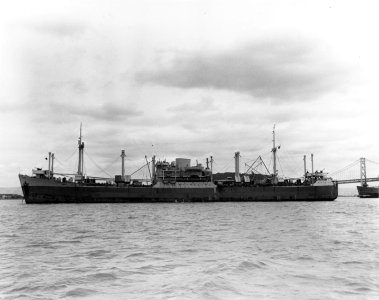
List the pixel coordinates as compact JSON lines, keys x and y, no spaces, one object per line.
{"x":356,"y":172}
{"x":345,"y":181}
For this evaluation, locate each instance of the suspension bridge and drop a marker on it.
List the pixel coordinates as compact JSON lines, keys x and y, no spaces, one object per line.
{"x":360,"y":171}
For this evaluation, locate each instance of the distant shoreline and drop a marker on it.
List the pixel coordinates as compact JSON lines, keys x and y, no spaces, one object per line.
{"x":10,"y":196}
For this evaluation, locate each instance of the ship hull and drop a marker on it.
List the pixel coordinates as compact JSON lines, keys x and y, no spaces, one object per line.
{"x":37,"y":190}
{"x":368,"y":191}
{"x":278,"y":193}
{"x":49,"y":191}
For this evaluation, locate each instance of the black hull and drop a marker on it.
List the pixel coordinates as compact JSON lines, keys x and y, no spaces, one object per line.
{"x":278,"y":193}
{"x":368,"y":191}
{"x":47,"y":191}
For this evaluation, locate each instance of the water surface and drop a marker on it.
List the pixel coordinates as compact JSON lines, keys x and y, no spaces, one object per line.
{"x":283,"y":250}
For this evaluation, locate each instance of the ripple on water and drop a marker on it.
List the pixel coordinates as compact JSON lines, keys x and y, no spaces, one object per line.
{"x":84,"y":237}
{"x":136,"y":254}
{"x":98,"y":253}
{"x":45,"y":245}
{"x":101,"y":276}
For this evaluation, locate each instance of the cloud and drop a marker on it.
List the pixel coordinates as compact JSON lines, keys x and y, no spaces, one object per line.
{"x":76,"y":85}
{"x":289,"y":69}
{"x":110,"y":112}
{"x":60,"y":28}
{"x":206,"y":103}
{"x":42,"y":111}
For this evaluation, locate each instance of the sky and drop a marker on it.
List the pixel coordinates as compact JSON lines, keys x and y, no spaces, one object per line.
{"x":187,"y":79}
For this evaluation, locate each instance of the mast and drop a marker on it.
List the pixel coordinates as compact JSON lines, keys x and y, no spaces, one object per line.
{"x":237,"y":167}
{"x":153,"y":169}
{"x":305,"y":166}
{"x":274,"y":149}
{"x":81,"y":150}
{"x":48,"y":173}
{"x":211,"y":168}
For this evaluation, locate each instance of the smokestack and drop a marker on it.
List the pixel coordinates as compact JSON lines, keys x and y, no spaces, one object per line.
{"x":52,"y":164}
{"x":123,"y":164}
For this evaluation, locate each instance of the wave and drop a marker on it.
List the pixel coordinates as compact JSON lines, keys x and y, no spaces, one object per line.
{"x":249,"y":265}
{"x":80,"y":292}
{"x":137,"y":254}
{"x":102,"y":276}
{"x":98,"y":253}
{"x":45,"y":245}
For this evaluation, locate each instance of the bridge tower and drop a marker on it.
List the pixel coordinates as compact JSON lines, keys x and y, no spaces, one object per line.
{"x":363,"y":171}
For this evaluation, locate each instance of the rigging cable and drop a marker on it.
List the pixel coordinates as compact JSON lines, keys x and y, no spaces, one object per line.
{"x":86,"y":153}
{"x":58,"y":161}
{"x":112,"y":163}
{"x":280,"y":165}
{"x":69,"y":157}
{"x":138,"y":169}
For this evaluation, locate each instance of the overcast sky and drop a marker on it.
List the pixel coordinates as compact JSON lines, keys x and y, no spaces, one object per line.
{"x":187,"y":79}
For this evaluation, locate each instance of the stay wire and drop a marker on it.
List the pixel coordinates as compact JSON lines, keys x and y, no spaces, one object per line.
{"x":100,"y":168}
{"x":112,"y":163}
{"x":69,"y":157}
{"x":280,"y":165}
{"x":145,"y":165}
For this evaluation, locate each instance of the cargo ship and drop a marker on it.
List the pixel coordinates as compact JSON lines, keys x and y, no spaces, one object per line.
{"x":366,"y":191}
{"x":176,"y":181}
